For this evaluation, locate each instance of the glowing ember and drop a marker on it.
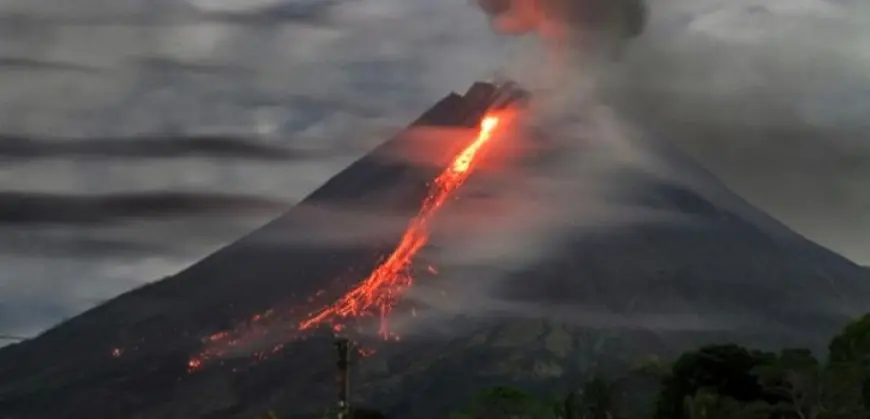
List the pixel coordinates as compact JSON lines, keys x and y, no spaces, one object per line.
{"x":194,"y":364}
{"x":391,"y":278}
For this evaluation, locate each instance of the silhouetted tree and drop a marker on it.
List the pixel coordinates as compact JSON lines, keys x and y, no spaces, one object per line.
{"x":506,"y":402}
{"x":852,"y":344}
{"x":706,"y":404}
{"x":725,"y":370}
{"x":363,"y":413}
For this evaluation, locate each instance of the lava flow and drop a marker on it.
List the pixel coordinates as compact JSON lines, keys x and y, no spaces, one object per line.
{"x":380,"y":291}
{"x":384,"y":286}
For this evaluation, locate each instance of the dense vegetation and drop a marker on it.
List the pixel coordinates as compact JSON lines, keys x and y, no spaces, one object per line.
{"x":712,"y":382}
{"x":717,"y":382}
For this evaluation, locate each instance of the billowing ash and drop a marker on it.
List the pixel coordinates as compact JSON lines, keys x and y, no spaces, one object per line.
{"x":609,"y":19}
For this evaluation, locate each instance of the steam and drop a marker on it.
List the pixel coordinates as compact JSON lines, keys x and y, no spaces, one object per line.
{"x":738,"y":99}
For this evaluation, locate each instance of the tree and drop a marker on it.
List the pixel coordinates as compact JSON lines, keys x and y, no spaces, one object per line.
{"x":725,"y":370}
{"x":596,"y":400}
{"x":795,"y":377}
{"x":363,"y":413}
{"x":706,"y":404}
{"x":847,"y":378}
{"x":654,"y":367}
{"x":852,"y":344}
{"x":506,"y":402}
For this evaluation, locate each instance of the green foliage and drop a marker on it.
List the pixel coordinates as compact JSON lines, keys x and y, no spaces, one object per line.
{"x":848,"y":372}
{"x":596,"y":400}
{"x":794,"y":378}
{"x":725,"y":370}
{"x":363,"y":413}
{"x":506,"y":402}
{"x":706,"y":404}
{"x":712,"y":382}
{"x":852,"y":345}
{"x":655,"y":367}
{"x":807,"y":389}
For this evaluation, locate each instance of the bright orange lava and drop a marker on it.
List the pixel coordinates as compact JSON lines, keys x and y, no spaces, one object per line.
{"x":384,"y":286}
{"x":380,"y":291}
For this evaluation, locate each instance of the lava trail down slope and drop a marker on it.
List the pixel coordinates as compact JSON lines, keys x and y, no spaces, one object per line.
{"x":731,"y":274}
{"x":380,"y":291}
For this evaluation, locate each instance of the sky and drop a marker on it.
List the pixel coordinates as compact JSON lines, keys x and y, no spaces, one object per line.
{"x":138,"y":136}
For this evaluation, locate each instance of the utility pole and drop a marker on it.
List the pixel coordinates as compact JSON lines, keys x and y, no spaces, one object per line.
{"x":342,"y":344}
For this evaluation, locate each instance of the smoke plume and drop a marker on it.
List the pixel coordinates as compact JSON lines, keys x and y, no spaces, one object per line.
{"x":568,"y":20}
{"x":769,"y":95}
{"x":756,"y":105}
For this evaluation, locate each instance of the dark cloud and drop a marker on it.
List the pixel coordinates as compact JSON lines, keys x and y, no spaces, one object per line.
{"x":307,"y":12}
{"x":30,"y":244}
{"x":19,"y":208}
{"x":11,"y":338}
{"x":31,"y":64}
{"x":172,"y":64}
{"x":14,"y":147}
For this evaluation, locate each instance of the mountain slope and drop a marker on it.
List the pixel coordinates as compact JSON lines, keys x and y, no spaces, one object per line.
{"x":731,"y":273}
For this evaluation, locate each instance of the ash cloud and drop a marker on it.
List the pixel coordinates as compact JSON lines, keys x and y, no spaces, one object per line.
{"x":767,"y":96}
{"x":568,"y":20}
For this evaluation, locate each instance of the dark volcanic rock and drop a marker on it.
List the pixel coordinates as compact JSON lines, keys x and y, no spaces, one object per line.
{"x":732,"y":267}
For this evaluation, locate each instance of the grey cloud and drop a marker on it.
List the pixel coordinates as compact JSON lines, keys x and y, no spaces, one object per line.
{"x":315,"y":85}
{"x":307,"y":12}
{"x":29,"y":244}
{"x":33,"y":65}
{"x":31,"y":208}
{"x":772,"y":102}
{"x":374,"y":62}
{"x":224,"y":147}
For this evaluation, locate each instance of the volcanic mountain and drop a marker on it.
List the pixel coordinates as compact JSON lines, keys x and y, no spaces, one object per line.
{"x":730,"y":274}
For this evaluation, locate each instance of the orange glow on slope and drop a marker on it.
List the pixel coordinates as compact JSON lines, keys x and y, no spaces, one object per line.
{"x":380,"y":291}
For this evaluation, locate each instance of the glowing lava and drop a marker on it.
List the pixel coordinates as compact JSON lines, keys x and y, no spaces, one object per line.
{"x":380,"y":291}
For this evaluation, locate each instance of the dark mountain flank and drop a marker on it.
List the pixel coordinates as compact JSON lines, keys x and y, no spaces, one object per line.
{"x":731,"y":273}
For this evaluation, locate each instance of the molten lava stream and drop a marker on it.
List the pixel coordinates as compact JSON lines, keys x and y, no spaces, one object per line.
{"x":383,"y":287}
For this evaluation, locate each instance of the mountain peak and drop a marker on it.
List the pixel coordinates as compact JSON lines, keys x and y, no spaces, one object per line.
{"x":597,"y":301}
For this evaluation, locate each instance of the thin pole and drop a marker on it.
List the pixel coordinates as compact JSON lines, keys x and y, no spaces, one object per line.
{"x":343,"y":347}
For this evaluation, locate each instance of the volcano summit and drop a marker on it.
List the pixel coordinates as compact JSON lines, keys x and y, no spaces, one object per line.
{"x":182,"y":347}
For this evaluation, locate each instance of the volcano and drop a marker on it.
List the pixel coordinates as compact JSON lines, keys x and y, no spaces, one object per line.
{"x":731,"y":274}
